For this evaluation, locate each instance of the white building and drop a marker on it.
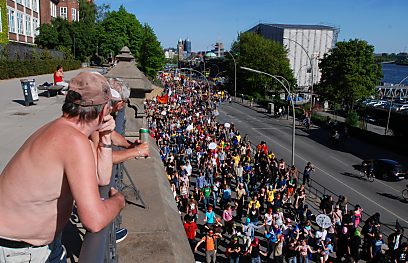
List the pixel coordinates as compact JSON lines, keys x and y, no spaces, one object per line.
{"x":170,"y":53}
{"x":306,"y":44}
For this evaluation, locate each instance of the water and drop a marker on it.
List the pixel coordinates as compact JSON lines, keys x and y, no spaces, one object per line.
{"x":394,"y":73}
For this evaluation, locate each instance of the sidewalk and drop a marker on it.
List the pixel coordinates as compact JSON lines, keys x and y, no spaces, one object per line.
{"x":18,"y":122}
{"x":370,"y":127}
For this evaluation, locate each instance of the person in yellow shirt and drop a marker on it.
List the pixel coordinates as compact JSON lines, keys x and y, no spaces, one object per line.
{"x":254,"y":202}
{"x":270,"y":195}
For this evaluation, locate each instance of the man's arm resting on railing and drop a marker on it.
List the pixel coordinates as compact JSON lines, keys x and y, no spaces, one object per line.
{"x":80,"y":169}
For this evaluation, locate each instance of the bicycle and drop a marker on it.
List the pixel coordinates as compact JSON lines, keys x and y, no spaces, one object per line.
{"x":369,"y":174}
{"x":405,"y":193}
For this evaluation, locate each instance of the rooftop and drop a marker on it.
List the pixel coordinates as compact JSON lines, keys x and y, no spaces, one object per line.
{"x":312,"y":27}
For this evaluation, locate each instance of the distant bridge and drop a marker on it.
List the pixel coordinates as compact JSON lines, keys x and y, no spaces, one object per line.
{"x":397,"y":91}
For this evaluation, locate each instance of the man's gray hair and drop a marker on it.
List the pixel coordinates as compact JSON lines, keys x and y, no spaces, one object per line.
{"x":121,"y":87}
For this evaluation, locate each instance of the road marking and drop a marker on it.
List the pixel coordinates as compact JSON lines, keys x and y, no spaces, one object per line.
{"x":334,"y":178}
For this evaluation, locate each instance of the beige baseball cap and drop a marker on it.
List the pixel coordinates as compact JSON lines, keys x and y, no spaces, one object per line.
{"x":93,"y":88}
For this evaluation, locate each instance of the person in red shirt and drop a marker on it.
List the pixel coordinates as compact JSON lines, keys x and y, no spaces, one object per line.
{"x":59,"y":78}
{"x":191,"y":229}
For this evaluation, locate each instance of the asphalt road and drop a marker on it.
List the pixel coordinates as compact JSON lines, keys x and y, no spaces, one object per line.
{"x":334,"y":164}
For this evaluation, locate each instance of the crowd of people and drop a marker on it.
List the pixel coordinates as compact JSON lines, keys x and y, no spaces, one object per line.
{"x":241,"y":197}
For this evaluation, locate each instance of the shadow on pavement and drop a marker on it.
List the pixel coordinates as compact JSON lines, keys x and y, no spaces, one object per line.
{"x":21,"y":102}
{"x":391,"y":196}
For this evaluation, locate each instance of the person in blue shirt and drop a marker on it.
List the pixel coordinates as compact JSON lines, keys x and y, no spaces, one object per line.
{"x":376,"y":245}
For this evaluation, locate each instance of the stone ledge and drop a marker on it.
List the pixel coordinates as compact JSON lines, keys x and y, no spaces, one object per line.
{"x":156,"y":234}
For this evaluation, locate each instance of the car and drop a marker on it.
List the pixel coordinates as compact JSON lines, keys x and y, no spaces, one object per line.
{"x":388,"y":169}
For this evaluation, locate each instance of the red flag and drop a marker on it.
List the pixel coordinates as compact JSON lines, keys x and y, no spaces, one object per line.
{"x":163,"y":99}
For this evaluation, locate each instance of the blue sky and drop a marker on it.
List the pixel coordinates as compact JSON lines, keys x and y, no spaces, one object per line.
{"x":382,"y":23}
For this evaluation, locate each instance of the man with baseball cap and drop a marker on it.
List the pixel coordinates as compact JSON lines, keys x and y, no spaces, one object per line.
{"x":56,"y":166}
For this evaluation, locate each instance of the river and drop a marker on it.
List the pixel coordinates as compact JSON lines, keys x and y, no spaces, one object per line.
{"x":394,"y":73}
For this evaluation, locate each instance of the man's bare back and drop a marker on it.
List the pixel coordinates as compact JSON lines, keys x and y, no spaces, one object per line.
{"x":55,"y":166}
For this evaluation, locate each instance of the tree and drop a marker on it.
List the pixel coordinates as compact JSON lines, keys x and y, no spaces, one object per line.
{"x":254,"y":51}
{"x":120,"y":28}
{"x":349,"y":72}
{"x":151,"y":53}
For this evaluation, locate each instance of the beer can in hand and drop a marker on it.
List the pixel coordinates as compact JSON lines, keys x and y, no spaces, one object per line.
{"x":144,"y":135}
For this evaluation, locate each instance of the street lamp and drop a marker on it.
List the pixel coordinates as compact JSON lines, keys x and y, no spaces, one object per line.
{"x":235,"y":74}
{"x":311,"y":68}
{"x":287,"y":82}
{"x":291,"y":100}
{"x":389,"y":110}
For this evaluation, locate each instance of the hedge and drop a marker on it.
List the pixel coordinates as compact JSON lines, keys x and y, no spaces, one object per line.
{"x":18,"y":69}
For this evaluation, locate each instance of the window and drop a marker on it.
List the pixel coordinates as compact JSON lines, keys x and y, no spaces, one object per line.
{"x":28,"y":3}
{"x":34,"y":4}
{"x":20,"y":28}
{"x":74,"y":14}
{"x":1,"y":25}
{"x":63,"y":12}
{"x":11,"y":21}
{"x":53,"y":8}
{"x":35,"y":26}
{"x":28,"y":25}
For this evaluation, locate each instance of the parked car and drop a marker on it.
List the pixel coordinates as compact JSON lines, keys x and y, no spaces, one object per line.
{"x":388,"y":169}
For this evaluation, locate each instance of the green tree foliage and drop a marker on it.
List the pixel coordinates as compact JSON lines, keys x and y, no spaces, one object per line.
{"x":103,"y":32}
{"x":349,"y":72}
{"x":120,"y":29}
{"x":254,"y":51}
{"x":151,"y":53}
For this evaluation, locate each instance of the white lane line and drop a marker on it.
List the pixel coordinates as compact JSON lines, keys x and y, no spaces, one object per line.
{"x":336,"y":179}
{"x":266,"y":128}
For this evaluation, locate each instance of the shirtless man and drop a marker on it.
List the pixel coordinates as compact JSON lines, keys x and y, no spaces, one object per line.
{"x":55,"y":166}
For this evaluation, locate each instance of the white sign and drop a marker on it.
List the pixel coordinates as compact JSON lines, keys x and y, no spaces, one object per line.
{"x":212,"y":146}
{"x":323,"y":220}
{"x":227,"y":125}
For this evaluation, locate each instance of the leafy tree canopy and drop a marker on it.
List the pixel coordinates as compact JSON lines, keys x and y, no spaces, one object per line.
{"x":349,"y":72}
{"x":254,"y":51}
{"x":151,"y":53}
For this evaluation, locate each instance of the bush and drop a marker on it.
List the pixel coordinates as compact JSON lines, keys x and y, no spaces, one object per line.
{"x":18,"y":69}
{"x":352,"y":118}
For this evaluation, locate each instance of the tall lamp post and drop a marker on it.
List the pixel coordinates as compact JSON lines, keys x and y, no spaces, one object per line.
{"x":311,"y":68}
{"x":235,"y":74}
{"x":287,"y":82}
{"x":291,"y":100}
{"x":389,"y":110}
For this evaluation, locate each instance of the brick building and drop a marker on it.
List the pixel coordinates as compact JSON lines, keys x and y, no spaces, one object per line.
{"x":67,"y":9}
{"x":23,"y":19}
{"x":25,"y":16}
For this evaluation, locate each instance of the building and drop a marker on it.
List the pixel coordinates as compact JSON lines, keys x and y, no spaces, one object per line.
{"x":187,"y":46}
{"x":170,"y":53}
{"x":67,"y":9}
{"x":180,"y":49}
{"x":219,"y":49}
{"x":23,"y":20}
{"x":306,"y":44}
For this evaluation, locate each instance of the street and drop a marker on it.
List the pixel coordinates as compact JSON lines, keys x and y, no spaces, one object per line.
{"x":334,"y":164}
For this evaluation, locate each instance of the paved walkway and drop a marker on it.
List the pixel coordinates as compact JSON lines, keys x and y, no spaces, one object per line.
{"x":370,"y":127}
{"x":18,"y":122}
